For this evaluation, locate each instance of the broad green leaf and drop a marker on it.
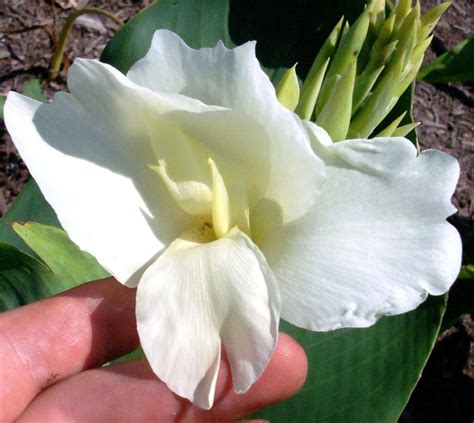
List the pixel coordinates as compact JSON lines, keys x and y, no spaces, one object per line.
{"x":30,"y":205}
{"x":24,"y":279}
{"x":199,"y":23}
{"x":456,"y":65}
{"x":61,"y":265}
{"x":286,"y":35}
{"x":59,"y":253}
{"x":362,"y":375}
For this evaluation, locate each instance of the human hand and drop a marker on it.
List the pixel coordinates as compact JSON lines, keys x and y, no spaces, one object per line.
{"x":51,"y":352}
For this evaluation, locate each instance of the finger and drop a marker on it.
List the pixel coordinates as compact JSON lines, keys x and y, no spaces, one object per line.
{"x":44,"y":342}
{"x":131,"y":392}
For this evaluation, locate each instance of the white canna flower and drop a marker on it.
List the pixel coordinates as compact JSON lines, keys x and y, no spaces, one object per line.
{"x":188,"y":179}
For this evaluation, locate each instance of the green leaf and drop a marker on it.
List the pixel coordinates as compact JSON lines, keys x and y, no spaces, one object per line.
{"x":24,"y":279}
{"x":456,"y":65}
{"x":59,"y":253}
{"x":29,"y":206}
{"x":362,"y":375}
{"x":61,"y":265}
{"x":199,"y":23}
{"x":33,"y":89}
{"x":285,"y":35}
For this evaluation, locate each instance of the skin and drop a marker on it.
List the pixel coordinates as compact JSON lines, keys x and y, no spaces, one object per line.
{"x":51,"y":352}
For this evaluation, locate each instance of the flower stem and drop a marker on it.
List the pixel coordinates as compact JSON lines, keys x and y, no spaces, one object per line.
{"x":60,"y":47}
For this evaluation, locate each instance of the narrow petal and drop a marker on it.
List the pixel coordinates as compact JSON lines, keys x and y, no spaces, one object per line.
{"x":89,"y":152}
{"x":233,"y":79}
{"x":376,"y":242}
{"x":229,"y":203}
{"x":182,"y":165}
{"x":196,"y":294}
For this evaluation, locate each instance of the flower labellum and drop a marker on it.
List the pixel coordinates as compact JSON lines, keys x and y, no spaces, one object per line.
{"x":188,"y":179}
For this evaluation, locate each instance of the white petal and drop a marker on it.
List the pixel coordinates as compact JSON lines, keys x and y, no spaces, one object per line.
{"x":196,"y":294}
{"x":237,"y":143}
{"x":89,"y":152}
{"x":233,"y":79}
{"x":376,"y":242}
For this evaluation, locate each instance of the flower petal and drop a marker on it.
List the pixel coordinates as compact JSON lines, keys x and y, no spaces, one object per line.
{"x":88,"y":152}
{"x":236,"y":142}
{"x":376,"y":242}
{"x":233,"y":79}
{"x":196,"y":294}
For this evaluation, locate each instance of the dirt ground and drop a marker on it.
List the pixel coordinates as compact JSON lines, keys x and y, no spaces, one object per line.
{"x":29,"y":30}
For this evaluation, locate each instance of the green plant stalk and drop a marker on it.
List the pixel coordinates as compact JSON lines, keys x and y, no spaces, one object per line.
{"x":61,"y":46}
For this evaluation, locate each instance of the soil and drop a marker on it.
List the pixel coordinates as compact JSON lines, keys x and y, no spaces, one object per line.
{"x":30,"y":30}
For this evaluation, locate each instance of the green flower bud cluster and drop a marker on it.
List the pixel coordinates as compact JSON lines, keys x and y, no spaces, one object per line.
{"x":362,"y":70}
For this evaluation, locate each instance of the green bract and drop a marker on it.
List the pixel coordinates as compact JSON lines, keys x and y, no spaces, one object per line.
{"x":361,"y":72}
